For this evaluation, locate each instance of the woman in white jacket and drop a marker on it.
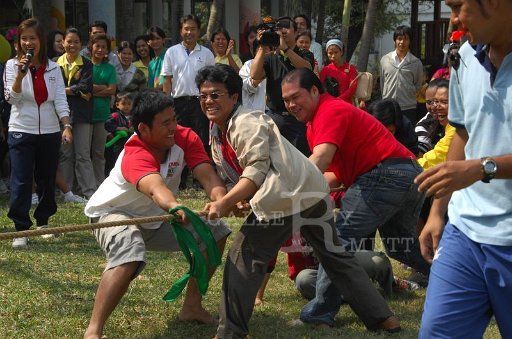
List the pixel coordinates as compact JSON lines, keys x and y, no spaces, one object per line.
{"x":35,"y":89}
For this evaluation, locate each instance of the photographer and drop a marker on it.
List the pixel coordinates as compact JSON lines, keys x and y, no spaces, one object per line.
{"x":284,"y":57}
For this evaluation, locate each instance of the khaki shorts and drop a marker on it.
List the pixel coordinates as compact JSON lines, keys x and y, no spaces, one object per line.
{"x":125,"y":244}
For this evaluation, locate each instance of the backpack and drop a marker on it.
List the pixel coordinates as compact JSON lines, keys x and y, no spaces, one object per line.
{"x":364,"y":86}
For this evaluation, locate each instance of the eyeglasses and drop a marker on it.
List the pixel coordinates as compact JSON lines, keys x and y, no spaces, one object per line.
{"x":437,"y":102}
{"x":214,"y":96}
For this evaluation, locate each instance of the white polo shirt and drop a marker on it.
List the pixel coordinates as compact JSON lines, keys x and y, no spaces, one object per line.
{"x":183,"y":68}
{"x":118,"y":193}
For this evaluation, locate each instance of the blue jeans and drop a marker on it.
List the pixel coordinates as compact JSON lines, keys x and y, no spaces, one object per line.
{"x":384,"y":198}
{"x":33,"y":157}
{"x":469,"y":283}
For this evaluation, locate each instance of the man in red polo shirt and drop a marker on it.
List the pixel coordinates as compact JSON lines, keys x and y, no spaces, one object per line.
{"x":354,"y":149}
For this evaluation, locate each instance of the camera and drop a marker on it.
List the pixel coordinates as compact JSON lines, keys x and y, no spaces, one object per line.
{"x":269,"y":38}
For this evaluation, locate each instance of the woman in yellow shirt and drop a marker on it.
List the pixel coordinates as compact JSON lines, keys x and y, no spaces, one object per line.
{"x":222,"y":47}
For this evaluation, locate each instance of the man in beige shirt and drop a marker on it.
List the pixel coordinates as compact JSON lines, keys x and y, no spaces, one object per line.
{"x":285,"y":190}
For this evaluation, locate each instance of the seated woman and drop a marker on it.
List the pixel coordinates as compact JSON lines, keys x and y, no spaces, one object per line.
{"x":388,"y":112}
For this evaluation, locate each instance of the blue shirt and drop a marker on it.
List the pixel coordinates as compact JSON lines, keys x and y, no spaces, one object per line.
{"x":481,"y":102}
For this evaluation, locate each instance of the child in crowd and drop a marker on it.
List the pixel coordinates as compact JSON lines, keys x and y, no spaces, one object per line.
{"x":119,"y":122}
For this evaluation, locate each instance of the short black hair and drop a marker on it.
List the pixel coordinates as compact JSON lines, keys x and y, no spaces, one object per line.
{"x":221,"y":31}
{"x":441,"y":83}
{"x":73,"y":30}
{"x":306,"y":79}
{"x":50,"y":40}
{"x":124,"y":95}
{"x":97,"y":37}
{"x":188,"y":17}
{"x":387,"y":111}
{"x":305,"y":17}
{"x":402,"y":31}
{"x":287,"y":18}
{"x":145,"y":38}
{"x":223,"y":74}
{"x":124,"y":44}
{"x":98,"y":23}
{"x":157,"y":30}
{"x":146,"y":104}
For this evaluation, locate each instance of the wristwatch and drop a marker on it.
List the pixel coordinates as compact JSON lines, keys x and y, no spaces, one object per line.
{"x":489,"y":168}
{"x":68,"y":126}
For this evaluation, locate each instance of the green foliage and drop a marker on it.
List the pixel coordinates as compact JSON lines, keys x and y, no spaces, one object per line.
{"x":390,"y":13}
{"x":48,"y":291}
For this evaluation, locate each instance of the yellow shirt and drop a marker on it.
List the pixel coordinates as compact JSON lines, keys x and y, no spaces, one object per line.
{"x":224,"y":60}
{"x":438,"y":154}
{"x":142,"y":67}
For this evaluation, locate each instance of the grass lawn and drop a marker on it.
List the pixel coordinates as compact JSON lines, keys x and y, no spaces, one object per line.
{"x":48,"y":291}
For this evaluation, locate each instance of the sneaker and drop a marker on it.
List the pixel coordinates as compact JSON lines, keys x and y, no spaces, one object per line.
{"x":20,"y":243}
{"x":71,"y":197}
{"x":35,"y":199}
{"x":404,"y":285}
{"x":45,"y":236}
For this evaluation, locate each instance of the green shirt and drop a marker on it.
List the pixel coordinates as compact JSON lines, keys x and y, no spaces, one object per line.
{"x":154,"y":69}
{"x":103,"y":74}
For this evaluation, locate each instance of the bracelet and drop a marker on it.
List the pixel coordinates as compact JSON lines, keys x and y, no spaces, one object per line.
{"x":68,"y":126}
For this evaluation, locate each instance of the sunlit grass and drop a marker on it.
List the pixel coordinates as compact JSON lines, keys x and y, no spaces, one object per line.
{"x":48,"y":291}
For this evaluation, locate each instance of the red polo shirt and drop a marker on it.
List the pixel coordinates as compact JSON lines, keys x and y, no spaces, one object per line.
{"x":362,"y":141}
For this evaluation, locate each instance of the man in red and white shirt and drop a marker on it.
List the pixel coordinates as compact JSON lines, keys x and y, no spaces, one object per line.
{"x":355,"y":149}
{"x":144,"y":182}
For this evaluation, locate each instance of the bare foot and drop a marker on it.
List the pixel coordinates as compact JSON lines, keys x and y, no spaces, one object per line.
{"x":201,"y":315}
{"x":258,"y":302}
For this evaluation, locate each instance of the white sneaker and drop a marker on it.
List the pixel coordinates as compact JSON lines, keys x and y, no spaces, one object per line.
{"x":71,"y":197}
{"x":35,"y":199}
{"x":45,"y":236}
{"x":20,"y":243}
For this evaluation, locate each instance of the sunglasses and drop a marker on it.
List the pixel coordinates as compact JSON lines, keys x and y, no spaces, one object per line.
{"x":214,"y":96}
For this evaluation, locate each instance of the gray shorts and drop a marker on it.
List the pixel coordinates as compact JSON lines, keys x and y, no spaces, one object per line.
{"x":124,"y":244}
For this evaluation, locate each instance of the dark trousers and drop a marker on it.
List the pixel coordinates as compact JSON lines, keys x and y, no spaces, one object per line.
{"x":412,"y":115}
{"x":293,"y":130}
{"x":258,"y":242}
{"x":32,"y":157}
{"x":189,"y":114}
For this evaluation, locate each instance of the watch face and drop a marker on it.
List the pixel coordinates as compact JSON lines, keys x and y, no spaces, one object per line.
{"x":489,"y":166}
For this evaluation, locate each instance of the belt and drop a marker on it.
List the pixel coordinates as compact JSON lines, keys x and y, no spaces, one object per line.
{"x":187,"y":98}
{"x":397,"y":161}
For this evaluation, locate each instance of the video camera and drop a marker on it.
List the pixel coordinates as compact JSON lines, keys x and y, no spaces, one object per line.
{"x":269,"y":38}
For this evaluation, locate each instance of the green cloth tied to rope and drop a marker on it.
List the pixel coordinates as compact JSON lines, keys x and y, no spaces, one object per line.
{"x":119,"y":135}
{"x":199,"y":265}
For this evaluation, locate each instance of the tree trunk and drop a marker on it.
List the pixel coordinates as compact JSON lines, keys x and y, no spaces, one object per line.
{"x":41,"y":9}
{"x":125,"y":27}
{"x":367,"y":36}
{"x":345,"y":23}
{"x":307,"y":8}
{"x":320,"y":23}
{"x":216,"y":11}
